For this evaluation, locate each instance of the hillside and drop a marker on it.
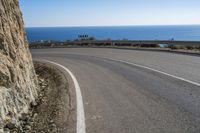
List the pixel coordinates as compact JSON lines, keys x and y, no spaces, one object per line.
{"x":18,"y":82}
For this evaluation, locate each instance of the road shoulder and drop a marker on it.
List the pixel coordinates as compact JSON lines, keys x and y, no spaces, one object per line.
{"x":53,"y":110}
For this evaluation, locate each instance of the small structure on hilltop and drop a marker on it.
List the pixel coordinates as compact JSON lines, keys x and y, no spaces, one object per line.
{"x":85,"y":37}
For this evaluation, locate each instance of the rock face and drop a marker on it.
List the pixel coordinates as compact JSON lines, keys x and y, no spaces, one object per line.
{"x":18,"y":83}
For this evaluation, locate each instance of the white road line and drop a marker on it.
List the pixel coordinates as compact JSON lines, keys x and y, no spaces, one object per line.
{"x":145,"y":67}
{"x":80,"y":127}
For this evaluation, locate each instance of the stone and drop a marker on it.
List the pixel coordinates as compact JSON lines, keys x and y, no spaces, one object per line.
{"x":33,"y":104}
{"x":51,"y":121}
{"x":11,"y":125}
{"x":41,"y":80}
{"x":27,"y":127}
{"x":24,"y":117}
{"x":35,"y":115}
{"x":1,"y":130}
{"x":53,"y":125}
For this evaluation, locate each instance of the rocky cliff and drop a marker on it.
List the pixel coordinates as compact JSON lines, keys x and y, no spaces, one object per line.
{"x":18,"y":84}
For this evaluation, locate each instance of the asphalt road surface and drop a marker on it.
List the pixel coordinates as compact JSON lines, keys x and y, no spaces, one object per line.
{"x":125,"y":98}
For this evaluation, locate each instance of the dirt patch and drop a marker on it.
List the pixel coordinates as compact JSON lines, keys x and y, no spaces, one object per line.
{"x":52,"y":110}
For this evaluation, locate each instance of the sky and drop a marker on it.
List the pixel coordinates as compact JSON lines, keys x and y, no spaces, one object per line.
{"x":53,"y":13}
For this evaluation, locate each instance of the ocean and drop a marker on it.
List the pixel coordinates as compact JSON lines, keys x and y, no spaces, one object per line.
{"x":182,"y":33}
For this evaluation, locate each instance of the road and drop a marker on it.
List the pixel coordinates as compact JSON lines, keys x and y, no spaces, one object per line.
{"x":125,"y":98}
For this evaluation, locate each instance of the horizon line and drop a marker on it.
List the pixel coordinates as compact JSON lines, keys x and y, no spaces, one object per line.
{"x":111,"y":25}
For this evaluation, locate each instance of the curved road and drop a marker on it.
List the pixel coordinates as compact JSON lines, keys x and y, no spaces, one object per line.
{"x":124,"y":98}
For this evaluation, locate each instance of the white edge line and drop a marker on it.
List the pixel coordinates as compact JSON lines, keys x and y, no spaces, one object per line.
{"x":80,"y":127}
{"x":145,"y":67}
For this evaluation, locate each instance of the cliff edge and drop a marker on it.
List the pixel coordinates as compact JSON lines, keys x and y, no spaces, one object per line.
{"x":18,"y":81}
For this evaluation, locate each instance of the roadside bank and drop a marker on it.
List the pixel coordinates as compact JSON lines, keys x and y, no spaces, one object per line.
{"x":51,"y":111}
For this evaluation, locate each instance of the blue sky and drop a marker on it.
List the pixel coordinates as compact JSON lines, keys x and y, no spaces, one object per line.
{"x":48,"y":13}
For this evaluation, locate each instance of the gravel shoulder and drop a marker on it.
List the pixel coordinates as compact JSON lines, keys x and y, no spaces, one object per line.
{"x":52,"y":110}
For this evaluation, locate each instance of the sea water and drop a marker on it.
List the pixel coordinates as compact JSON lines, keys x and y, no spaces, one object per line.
{"x":182,"y":33}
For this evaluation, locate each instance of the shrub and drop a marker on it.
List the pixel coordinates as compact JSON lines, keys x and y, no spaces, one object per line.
{"x":173,"y":47}
{"x":189,"y":47}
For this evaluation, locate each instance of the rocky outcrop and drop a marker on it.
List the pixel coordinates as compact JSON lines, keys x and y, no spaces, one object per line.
{"x":18,"y":84}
